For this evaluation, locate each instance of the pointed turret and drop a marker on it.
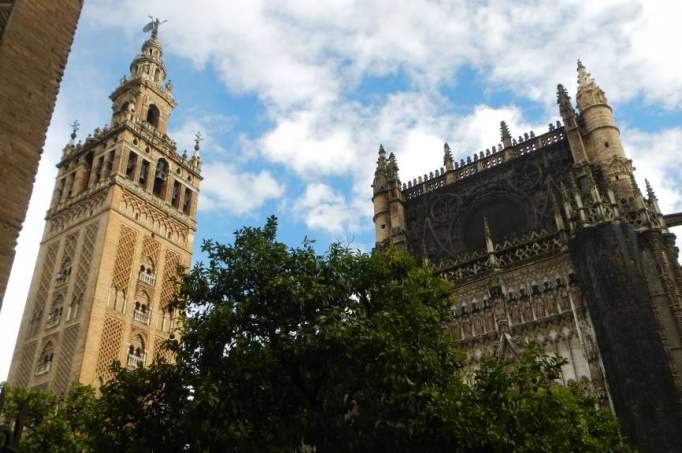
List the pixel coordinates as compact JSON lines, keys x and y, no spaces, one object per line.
{"x":600,"y":134}
{"x":565,"y":106}
{"x":447,"y":157}
{"x":505,"y":134}
{"x":489,"y":244}
{"x":381,"y":161}
{"x":650,"y":191}
{"x":653,"y":201}
{"x":392,"y":167}
{"x":571,"y":129}
{"x":589,"y":93}
{"x":388,"y":201}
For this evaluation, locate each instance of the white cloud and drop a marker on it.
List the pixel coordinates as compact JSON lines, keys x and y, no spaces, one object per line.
{"x":324,"y":209}
{"x":211,"y":127}
{"x":298,"y":52}
{"x":657,"y":157}
{"x":226,"y":188}
{"x":303,"y":58}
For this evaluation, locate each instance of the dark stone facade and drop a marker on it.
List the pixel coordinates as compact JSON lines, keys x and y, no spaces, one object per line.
{"x":549,"y":239}
{"x":615,"y":281}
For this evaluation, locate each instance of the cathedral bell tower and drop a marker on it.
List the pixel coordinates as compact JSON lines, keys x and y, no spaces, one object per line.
{"x":121,"y":221}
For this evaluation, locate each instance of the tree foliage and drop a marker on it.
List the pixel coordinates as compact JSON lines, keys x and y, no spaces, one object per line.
{"x":53,"y":424}
{"x":283,"y":349}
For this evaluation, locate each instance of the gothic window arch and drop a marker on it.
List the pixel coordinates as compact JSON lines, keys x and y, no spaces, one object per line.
{"x":153,"y":115}
{"x":45,"y":359}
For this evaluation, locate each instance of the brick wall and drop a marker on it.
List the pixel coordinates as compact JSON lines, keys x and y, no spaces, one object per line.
{"x":34,"y":47}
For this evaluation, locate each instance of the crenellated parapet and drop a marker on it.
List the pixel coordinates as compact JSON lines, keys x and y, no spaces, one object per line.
{"x":483,"y":160}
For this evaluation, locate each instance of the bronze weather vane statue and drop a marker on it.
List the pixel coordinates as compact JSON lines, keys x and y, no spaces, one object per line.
{"x":153,"y":26}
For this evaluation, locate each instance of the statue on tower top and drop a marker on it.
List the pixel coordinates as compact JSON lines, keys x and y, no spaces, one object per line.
{"x":75,"y":126}
{"x":153,"y":26}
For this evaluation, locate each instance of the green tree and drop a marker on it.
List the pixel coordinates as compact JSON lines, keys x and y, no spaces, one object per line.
{"x":54,"y":425}
{"x":283,"y":349}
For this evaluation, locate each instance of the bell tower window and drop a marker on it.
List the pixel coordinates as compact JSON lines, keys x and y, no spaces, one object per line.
{"x":132,"y":163}
{"x":153,"y":115}
{"x":187,"y":203}
{"x":175,"y":200}
{"x":144,"y":170}
{"x":160,"y":178}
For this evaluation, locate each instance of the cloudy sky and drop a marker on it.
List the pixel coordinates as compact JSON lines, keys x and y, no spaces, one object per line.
{"x":294,"y":97}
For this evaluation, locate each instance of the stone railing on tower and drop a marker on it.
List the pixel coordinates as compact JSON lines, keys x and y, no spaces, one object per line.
{"x":484,"y":160}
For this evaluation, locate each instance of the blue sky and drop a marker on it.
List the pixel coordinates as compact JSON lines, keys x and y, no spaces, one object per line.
{"x":295,"y":96}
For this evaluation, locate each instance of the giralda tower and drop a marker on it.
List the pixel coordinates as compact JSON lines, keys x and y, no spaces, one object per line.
{"x":121,"y":220}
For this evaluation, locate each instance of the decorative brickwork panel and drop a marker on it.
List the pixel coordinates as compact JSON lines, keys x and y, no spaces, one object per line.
{"x":160,"y":351}
{"x":150,"y":263}
{"x":110,"y":346}
{"x":25,"y":364}
{"x":64,"y":270}
{"x":43,"y":287}
{"x":150,"y":248}
{"x":70,"y":245}
{"x":169,"y":274}
{"x":61,"y":383}
{"x":124,"y":257}
{"x":87,"y":250}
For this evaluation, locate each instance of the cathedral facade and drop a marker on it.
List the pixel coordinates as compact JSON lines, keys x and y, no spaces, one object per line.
{"x":548,"y":239}
{"x":121,"y":222}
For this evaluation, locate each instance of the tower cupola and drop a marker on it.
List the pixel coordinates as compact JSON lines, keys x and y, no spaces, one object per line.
{"x":145,"y":96}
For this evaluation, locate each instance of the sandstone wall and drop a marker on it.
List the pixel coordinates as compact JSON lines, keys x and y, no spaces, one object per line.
{"x":34,"y":47}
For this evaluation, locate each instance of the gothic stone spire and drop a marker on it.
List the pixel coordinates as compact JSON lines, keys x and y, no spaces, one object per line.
{"x":506,"y":135}
{"x":589,"y":93}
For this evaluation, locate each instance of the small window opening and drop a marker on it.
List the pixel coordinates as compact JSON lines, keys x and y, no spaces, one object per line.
{"x":144,"y":172}
{"x":187,"y":202}
{"x":153,"y":115}
{"x":98,"y":168}
{"x":132,"y":163}
{"x":175,"y":201}
{"x":45,"y":360}
{"x":160,"y":178}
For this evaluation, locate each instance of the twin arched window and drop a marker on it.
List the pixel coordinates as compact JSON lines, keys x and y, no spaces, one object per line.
{"x":45,"y":360}
{"x":55,"y":314}
{"x":136,"y":352}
